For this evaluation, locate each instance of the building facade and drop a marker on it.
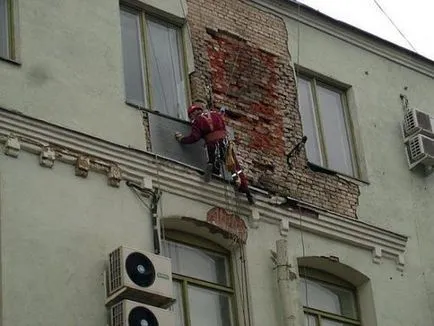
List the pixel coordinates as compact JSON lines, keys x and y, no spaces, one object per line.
{"x":91,"y":95}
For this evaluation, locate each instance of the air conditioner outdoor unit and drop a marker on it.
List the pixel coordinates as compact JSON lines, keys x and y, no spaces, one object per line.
{"x":130,"y":313}
{"x":420,"y":150}
{"x":417,"y":122}
{"x":139,"y":276}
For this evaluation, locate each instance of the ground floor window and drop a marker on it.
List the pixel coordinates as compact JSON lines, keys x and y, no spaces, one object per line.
{"x":202,"y":281}
{"x":327,"y":300}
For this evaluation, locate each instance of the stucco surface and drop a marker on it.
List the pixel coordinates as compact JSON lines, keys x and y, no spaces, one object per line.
{"x":71,"y":72}
{"x":395,"y":198}
{"x":56,"y":233}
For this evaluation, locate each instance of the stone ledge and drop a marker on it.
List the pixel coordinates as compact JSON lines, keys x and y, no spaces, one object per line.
{"x":35,"y":136}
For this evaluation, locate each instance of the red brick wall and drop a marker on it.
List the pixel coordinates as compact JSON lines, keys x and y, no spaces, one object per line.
{"x":241,"y":53}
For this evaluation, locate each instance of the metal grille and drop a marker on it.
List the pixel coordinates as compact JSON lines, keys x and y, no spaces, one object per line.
{"x":428,"y":146}
{"x":423,"y":120}
{"x":115,"y":272}
{"x":415,"y":149}
{"x":117,"y":315}
{"x":410,"y":122}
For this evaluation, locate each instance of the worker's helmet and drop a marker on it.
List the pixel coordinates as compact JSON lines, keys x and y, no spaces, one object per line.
{"x":193,"y":108}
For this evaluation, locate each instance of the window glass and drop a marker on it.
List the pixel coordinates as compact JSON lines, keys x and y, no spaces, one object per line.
{"x":166,"y":59}
{"x":334,"y":130}
{"x":201,"y":278}
{"x":328,"y":298}
{"x":325,"y":123}
{"x":132,"y":57}
{"x":197,"y":263}
{"x":4,"y":29}
{"x":308,"y":119}
{"x":208,"y":307}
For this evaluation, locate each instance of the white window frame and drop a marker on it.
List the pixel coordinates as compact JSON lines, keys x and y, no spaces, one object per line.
{"x":314,"y":81}
{"x":145,"y":61}
{"x":326,"y":278}
{"x":10,"y":14}
{"x":185,"y":280}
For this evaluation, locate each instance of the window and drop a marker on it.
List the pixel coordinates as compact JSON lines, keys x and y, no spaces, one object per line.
{"x":153,"y":60}
{"x":6,"y":29}
{"x":327,"y":300}
{"x":203,"y":286}
{"x":326,"y":123}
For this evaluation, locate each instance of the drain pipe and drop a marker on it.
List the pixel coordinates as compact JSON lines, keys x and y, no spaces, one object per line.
{"x":156,"y":195}
{"x":285,"y":281}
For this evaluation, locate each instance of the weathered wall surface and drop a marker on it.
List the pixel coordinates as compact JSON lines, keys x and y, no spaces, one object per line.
{"x":241,"y":52}
{"x":57,"y":229}
{"x":71,"y":72}
{"x":395,"y":198}
{"x":56,"y":232}
{"x":72,"y":75}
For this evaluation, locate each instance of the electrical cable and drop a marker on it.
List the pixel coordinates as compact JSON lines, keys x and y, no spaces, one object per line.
{"x":161,"y":227}
{"x":299,"y":208}
{"x":298,"y":35}
{"x":394,"y":25}
{"x":303,"y":255}
{"x":134,"y":190}
{"x":240,"y":278}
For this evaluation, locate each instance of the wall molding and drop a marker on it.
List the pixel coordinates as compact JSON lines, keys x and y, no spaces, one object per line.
{"x":53,"y":144}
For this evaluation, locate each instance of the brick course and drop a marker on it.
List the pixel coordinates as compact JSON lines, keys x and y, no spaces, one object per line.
{"x":241,"y":52}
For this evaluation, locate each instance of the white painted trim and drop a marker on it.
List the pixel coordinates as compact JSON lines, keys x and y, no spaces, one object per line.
{"x":35,"y":136}
{"x":359,"y":39}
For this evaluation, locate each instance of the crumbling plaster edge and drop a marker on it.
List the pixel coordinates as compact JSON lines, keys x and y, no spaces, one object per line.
{"x":120,"y":163}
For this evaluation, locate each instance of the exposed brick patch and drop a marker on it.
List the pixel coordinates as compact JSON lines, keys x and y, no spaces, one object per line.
{"x":245,"y":77}
{"x":228,"y":222}
{"x":242,"y":52}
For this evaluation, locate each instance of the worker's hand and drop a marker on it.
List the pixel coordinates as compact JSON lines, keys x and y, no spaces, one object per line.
{"x":178,"y":136}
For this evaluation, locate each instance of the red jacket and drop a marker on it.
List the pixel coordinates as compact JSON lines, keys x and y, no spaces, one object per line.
{"x":209,"y":125}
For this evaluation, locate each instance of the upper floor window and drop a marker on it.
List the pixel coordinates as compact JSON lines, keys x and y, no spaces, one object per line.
{"x":6,"y":29}
{"x":327,"y":125}
{"x":203,"y":286}
{"x":327,"y":300}
{"x":154,"y":65}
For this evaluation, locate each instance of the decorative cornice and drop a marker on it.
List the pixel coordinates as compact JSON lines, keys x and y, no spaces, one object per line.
{"x":86,"y":153}
{"x":350,"y":34}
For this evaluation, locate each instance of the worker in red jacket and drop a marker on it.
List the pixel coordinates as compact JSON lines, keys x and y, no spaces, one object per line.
{"x":210,"y":126}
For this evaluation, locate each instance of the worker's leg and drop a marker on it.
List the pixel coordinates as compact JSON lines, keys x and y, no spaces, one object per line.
{"x":213,"y":165}
{"x":240,"y":180}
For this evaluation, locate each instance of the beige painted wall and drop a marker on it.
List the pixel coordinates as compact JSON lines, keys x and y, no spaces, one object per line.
{"x":56,"y":232}
{"x":395,"y":198}
{"x":57,"y":229}
{"x":71,"y":69}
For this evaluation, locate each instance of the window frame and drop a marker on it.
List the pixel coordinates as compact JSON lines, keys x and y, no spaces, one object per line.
{"x":10,"y":14}
{"x":330,"y":279}
{"x":315,"y":80}
{"x":145,"y":49}
{"x":206,"y":245}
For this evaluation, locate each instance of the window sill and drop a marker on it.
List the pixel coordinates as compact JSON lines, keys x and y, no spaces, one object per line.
{"x":157,"y":113}
{"x":11,"y":61}
{"x":317,"y":168}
